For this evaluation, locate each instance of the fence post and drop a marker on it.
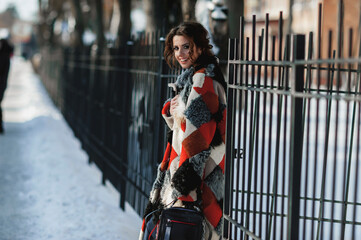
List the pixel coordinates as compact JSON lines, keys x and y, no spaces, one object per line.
{"x":158,"y":128}
{"x":125,"y":129}
{"x":228,"y":191}
{"x":296,"y":140}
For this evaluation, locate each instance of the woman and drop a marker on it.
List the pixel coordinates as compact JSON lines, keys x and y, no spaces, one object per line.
{"x":6,"y":51}
{"x":191,"y":174}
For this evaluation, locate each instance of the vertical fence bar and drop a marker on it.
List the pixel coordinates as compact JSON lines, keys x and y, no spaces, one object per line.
{"x":357,"y":158}
{"x":279,"y":104}
{"x":239,"y":108}
{"x":330,"y":74}
{"x":125,"y":110}
{"x":285,"y":78}
{"x":347,"y":163}
{"x":338,"y":84}
{"x":256,"y":137}
{"x":245,"y":130}
{"x":234,"y":120}
{"x":251,"y":126}
{"x":269,"y":160}
{"x":160,"y":99}
{"x":318,"y":74}
{"x":358,"y":123}
{"x":227,"y":205}
{"x":307,"y":104}
{"x":263,"y":138}
{"x":296,"y":141}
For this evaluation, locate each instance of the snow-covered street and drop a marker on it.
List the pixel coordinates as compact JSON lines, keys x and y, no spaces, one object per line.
{"x":47,"y":188}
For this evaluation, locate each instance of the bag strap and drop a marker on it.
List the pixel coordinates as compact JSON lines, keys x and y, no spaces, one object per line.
{"x":172,"y":203}
{"x":167,"y":233}
{"x":159,"y":209}
{"x":149,"y":214}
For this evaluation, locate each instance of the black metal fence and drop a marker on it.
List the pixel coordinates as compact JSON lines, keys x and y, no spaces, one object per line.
{"x":293,"y":127}
{"x":112,"y":100}
{"x":293,"y":136}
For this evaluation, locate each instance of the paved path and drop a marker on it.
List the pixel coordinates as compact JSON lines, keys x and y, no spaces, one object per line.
{"x":47,"y":188}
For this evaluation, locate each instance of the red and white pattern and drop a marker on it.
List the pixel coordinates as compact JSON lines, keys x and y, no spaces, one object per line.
{"x":194,"y":129}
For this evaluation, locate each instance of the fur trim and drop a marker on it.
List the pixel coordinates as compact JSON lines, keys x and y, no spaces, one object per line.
{"x":184,"y":77}
{"x":159,"y":180}
{"x":215,"y":181}
{"x":219,"y":227}
{"x":199,"y":161}
{"x":178,"y":113}
{"x":186,"y":179}
{"x":210,"y":70}
{"x":155,"y":210}
{"x":174,"y":87}
{"x":198,"y":112}
{"x":186,"y":91}
{"x":166,"y":192}
{"x":154,"y":195}
{"x":150,"y":208}
{"x":184,"y":83}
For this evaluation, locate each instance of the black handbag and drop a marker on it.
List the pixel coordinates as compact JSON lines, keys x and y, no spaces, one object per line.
{"x":177,"y":223}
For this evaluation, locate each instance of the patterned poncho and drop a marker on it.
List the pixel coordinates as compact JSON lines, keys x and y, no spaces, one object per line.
{"x":192,"y":170}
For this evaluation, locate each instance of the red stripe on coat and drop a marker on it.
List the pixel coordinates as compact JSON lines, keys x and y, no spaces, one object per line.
{"x":165,"y":109}
{"x":222,"y":125}
{"x":199,"y":140}
{"x":183,"y":156}
{"x":186,"y":198}
{"x":211,"y":100}
{"x":207,"y":86}
{"x":143,"y":226}
{"x":173,"y":155}
{"x":211,"y":209}
{"x":183,"y":126}
{"x":166,"y":157}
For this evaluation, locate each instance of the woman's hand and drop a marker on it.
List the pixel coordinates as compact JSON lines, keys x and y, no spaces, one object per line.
{"x":173,"y":105}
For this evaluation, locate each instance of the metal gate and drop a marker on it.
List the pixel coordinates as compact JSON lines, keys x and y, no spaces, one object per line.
{"x":112,"y":100}
{"x":293,"y":136}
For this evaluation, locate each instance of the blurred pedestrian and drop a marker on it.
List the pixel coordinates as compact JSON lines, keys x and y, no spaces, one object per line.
{"x":190,"y":177}
{"x":6,"y":51}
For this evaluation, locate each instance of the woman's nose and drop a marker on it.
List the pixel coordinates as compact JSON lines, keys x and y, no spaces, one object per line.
{"x":181,"y":52}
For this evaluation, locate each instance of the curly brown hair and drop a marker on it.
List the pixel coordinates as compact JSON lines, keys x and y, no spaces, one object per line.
{"x":195,"y":33}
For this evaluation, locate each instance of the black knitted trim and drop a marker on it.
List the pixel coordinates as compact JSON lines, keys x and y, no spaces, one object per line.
{"x":217,"y":139}
{"x":156,"y":214}
{"x":150,"y":208}
{"x":186,"y":179}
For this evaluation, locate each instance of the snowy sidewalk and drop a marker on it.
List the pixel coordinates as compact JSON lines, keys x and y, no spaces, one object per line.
{"x":47,"y":188}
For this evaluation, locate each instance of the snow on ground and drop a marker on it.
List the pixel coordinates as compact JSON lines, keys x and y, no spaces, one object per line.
{"x":47,"y":188}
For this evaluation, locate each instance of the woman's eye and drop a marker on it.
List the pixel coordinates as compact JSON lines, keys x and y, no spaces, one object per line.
{"x":175,"y":48}
{"x":186,"y":47}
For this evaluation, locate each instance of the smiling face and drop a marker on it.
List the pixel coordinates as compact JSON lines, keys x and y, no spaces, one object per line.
{"x":182,"y":51}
